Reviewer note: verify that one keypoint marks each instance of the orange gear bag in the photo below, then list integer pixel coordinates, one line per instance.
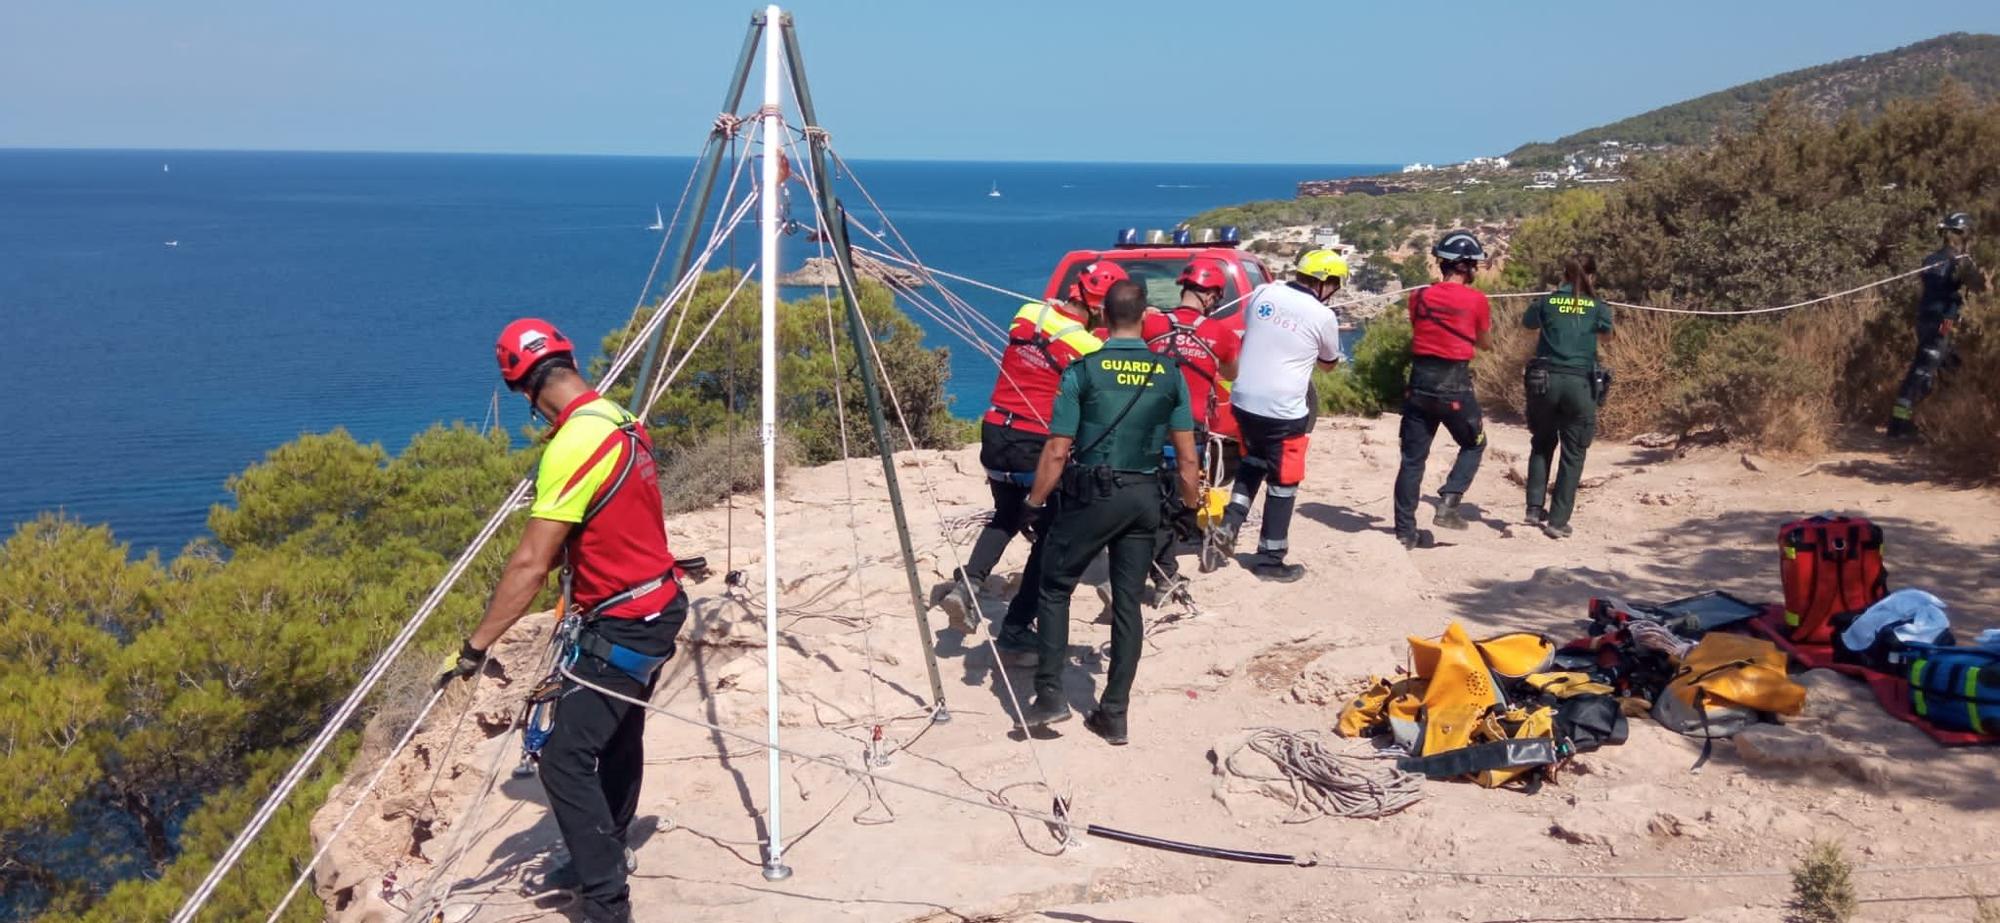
(1830, 567)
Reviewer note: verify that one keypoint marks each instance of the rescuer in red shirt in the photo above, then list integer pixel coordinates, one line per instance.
(1042, 341)
(1207, 352)
(1449, 322)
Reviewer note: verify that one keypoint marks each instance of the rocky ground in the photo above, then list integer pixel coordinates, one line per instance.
(1651, 526)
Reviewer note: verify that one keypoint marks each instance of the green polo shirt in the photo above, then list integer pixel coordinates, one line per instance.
(1096, 388)
(1569, 324)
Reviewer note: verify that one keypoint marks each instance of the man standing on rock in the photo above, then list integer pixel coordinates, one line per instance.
(597, 514)
(1937, 313)
(1288, 332)
(1449, 322)
(1113, 413)
(1043, 341)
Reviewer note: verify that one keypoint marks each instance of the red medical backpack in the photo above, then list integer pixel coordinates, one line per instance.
(1831, 567)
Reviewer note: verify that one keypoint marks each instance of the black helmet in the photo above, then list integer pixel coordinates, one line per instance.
(1956, 221)
(1457, 246)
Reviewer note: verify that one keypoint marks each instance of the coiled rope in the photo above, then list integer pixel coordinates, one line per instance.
(1325, 782)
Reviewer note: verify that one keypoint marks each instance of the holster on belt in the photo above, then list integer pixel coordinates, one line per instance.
(1083, 484)
(1535, 377)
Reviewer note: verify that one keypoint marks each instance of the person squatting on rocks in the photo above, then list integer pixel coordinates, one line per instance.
(1207, 353)
(1101, 466)
(1563, 388)
(596, 513)
(1289, 332)
(1449, 321)
(1937, 313)
(1043, 340)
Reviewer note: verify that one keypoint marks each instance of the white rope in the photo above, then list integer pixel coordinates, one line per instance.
(1403, 292)
(1325, 782)
(341, 715)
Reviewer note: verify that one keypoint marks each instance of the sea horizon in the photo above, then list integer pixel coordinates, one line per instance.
(202, 315)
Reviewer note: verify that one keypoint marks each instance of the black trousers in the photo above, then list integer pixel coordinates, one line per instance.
(595, 759)
(1933, 346)
(1423, 413)
(1125, 522)
(1565, 417)
(1165, 547)
(1003, 449)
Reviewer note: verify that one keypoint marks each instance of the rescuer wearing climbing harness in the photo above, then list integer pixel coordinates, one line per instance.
(1042, 341)
(1207, 354)
(1937, 314)
(597, 514)
(1562, 384)
(1288, 332)
(1449, 322)
(1113, 413)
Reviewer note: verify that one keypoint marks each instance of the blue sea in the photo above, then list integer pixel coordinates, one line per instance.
(175, 315)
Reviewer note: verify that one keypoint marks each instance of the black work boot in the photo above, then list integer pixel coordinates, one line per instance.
(564, 877)
(1421, 538)
(1106, 725)
(1448, 516)
(1536, 515)
(1020, 645)
(1276, 570)
(1556, 531)
(1048, 708)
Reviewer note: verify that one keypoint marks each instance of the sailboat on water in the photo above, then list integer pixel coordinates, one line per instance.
(996, 190)
(659, 223)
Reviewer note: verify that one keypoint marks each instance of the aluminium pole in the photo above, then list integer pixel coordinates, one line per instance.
(772, 143)
(833, 221)
(706, 170)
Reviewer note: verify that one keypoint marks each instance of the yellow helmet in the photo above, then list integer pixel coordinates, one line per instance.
(1322, 265)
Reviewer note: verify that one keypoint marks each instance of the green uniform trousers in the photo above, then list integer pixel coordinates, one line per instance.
(1566, 415)
(1127, 522)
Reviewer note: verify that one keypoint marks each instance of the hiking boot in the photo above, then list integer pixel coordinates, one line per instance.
(1106, 725)
(1020, 645)
(1556, 531)
(1536, 515)
(1171, 589)
(1276, 570)
(1048, 708)
(564, 877)
(1422, 538)
(1448, 516)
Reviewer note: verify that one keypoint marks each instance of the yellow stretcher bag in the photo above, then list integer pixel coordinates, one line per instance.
(1724, 683)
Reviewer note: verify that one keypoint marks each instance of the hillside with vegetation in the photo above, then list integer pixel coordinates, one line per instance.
(1864, 86)
(1791, 208)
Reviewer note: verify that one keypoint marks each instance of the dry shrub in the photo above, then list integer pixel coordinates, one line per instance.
(1496, 373)
(1640, 356)
(1823, 886)
(401, 694)
(716, 466)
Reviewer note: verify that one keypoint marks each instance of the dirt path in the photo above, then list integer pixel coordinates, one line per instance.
(1651, 527)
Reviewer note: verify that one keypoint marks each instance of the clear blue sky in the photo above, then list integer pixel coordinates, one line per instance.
(1169, 80)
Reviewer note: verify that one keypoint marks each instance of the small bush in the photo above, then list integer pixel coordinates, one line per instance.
(1823, 886)
(717, 466)
(1373, 382)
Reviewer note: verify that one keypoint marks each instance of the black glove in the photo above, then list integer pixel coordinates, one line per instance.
(1031, 521)
(1186, 525)
(462, 665)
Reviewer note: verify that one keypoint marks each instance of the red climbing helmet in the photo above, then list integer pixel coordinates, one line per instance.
(526, 342)
(1203, 272)
(1094, 281)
